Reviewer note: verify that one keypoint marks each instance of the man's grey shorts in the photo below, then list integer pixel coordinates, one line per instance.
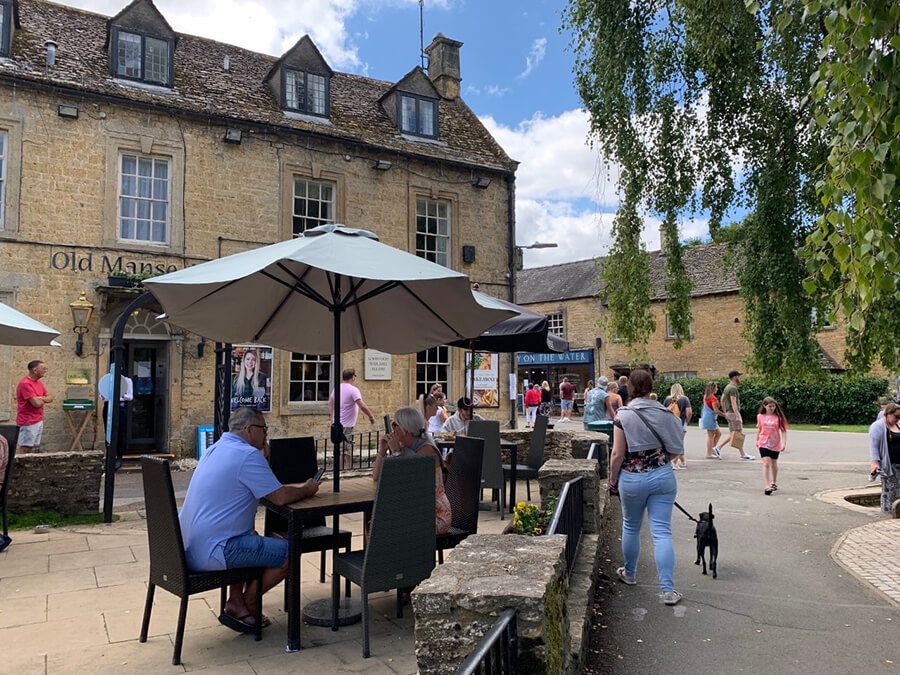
(734, 424)
(30, 436)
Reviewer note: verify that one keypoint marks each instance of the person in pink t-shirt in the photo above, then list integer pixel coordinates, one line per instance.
(771, 439)
(350, 405)
(31, 396)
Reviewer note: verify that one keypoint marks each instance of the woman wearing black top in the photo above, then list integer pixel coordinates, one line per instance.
(884, 451)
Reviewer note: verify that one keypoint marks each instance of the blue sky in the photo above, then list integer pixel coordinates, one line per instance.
(517, 77)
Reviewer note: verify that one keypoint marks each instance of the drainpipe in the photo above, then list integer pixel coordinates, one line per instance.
(511, 266)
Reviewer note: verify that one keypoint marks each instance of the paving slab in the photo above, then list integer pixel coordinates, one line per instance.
(122, 573)
(23, 611)
(154, 656)
(53, 636)
(107, 556)
(70, 544)
(44, 584)
(98, 600)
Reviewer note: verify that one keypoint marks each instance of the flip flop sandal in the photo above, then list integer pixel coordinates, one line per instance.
(237, 624)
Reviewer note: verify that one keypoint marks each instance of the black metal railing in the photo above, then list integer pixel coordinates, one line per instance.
(568, 518)
(358, 454)
(498, 651)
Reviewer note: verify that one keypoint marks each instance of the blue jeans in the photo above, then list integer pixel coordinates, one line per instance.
(653, 491)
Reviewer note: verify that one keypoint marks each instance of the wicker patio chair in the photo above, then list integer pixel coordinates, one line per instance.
(463, 489)
(293, 460)
(11, 433)
(492, 476)
(529, 471)
(168, 566)
(400, 550)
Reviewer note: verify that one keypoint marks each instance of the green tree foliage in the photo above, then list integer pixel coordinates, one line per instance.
(707, 104)
(855, 249)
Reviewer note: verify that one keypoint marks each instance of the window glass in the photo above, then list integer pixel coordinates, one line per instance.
(3, 38)
(156, 60)
(3, 145)
(670, 333)
(433, 367)
(293, 89)
(310, 378)
(408, 114)
(129, 55)
(433, 230)
(426, 118)
(313, 204)
(556, 324)
(144, 199)
(315, 94)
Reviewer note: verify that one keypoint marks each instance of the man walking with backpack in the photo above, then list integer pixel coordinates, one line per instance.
(731, 406)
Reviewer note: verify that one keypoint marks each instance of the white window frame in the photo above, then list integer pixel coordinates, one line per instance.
(432, 360)
(827, 323)
(671, 336)
(319, 220)
(168, 200)
(441, 230)
(316, 360)
(556, 324)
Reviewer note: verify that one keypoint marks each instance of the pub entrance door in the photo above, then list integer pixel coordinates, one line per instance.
(147, 365)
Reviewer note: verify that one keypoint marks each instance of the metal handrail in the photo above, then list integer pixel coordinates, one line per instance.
(498, 651)
(568, 518)
(365, 447)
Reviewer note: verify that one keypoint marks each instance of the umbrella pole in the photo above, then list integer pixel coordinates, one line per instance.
(337, 428)
(472, 374)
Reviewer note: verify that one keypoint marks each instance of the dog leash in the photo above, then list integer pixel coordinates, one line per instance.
(679, 507)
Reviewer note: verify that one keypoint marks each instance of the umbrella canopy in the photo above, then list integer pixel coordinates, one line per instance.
(332, 289)
(21, 330)
(524, 332)
(286, 295)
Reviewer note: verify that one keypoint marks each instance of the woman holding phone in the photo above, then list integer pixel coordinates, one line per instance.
(408, 437)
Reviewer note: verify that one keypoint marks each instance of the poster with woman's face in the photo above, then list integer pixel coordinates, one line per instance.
(487, 383)
(251, 377)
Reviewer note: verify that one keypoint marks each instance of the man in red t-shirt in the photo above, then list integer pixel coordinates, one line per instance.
(31, 395)
(567, 399)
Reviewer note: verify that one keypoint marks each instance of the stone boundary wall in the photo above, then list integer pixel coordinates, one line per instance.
(67, 482)
(562, 445)
(557, 472)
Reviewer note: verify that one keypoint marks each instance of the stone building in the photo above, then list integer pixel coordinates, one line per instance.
(569, 293)
(129, 148)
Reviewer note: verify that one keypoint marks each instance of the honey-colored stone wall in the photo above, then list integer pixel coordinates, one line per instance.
(60, 239)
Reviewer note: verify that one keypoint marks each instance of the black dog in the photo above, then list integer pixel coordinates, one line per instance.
(706, 536)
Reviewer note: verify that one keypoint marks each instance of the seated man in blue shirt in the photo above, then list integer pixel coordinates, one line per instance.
(219, 511)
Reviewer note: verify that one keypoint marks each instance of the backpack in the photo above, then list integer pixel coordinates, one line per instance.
(674, 409)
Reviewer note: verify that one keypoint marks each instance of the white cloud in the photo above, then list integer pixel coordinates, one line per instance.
(496, 90)
(535, 56)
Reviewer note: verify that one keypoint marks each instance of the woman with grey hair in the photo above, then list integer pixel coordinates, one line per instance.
(409, 438)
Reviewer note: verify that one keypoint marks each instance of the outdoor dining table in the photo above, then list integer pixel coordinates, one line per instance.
(445, 445)
(356, 495)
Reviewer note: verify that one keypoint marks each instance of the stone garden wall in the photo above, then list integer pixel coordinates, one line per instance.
(67, 482)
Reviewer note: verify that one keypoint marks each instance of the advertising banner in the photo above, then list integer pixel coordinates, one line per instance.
(251, 377)
(487, 380)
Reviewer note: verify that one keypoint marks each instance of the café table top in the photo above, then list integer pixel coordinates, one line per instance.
(353, 491)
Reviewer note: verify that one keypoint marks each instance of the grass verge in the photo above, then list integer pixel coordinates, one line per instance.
(27, 521)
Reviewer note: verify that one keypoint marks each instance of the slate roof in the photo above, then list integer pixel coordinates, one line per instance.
(203, 87)
(705, 265)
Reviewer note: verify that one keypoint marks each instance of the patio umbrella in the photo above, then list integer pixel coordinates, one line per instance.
(20, 330)
(526, 331)
(332, 289)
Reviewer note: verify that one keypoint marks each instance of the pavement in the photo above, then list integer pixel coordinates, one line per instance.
(71, 601)
(808, 583)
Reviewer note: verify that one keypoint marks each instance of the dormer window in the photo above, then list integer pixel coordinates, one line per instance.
(418, 115)
(141, 57)
(305, 92)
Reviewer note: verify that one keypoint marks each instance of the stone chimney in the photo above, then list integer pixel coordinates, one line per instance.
(443, 65)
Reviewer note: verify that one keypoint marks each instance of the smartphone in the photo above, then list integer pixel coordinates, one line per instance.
(387, 424)
(319, 474)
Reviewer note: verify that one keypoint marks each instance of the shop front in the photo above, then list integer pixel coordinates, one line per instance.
(576, 364)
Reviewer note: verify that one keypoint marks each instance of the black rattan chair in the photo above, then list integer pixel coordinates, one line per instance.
(11, 433)
(529, 471)
(492, 476)
(463, 489)
(168, 566)
(293, 460)
(401, 545)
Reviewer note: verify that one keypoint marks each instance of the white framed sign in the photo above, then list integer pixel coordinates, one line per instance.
(378, 365)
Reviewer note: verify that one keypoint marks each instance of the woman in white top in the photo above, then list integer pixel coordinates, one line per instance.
(437, 410)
